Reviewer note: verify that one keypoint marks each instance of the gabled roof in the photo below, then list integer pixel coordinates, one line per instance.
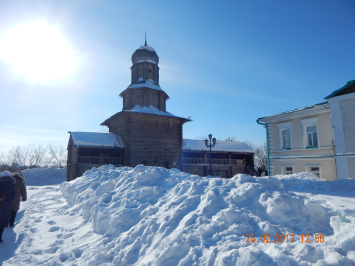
(230, 146)
(151, 110)
(348, 88)
(97, 139)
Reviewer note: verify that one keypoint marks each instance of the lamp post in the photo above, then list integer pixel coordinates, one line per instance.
(212, 142)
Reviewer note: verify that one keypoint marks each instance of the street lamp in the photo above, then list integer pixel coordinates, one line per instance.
(211, 144)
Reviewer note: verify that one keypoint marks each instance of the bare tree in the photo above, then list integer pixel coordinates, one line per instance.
(4, 161)
(18, 157)
(231, 139)
(58, 155)
(47, 160)
(260, 155)
(4, 158)
(36, 154)
(33, 156)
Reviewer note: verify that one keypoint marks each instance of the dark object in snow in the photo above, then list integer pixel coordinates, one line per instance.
(8, 189)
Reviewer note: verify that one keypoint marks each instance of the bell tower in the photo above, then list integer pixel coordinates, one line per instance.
(144, 89)
(151, 135)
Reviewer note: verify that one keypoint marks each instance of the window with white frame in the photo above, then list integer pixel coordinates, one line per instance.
(314, 169)
(312, 139)
(286, 139)
(310, 132)
(285, 135)
(287, 169)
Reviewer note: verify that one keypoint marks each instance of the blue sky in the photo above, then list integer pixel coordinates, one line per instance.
(224, 63)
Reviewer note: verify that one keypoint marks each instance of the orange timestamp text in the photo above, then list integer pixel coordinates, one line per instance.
(288, 238)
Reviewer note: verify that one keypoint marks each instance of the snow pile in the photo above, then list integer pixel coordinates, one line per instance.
(45, 176)
(308, 181)
(155, 216)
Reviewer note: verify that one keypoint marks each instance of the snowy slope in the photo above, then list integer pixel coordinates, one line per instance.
(155, 216)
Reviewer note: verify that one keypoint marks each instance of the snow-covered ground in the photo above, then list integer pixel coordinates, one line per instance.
(153, 216)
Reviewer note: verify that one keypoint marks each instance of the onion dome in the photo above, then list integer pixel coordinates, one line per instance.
(146, 53)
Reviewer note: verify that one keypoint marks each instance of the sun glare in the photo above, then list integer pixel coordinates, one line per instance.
(38, 52)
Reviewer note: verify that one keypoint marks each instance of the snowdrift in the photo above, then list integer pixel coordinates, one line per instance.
(45, 176)
(155, 216)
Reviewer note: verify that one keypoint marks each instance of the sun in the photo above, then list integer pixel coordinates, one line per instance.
(38, 52)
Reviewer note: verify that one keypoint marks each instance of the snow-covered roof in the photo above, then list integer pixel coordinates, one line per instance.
(314, 107)
(232, 146)
(146, 47)
(150, 110)
(145, 52)
(97, 139)
(145, 83)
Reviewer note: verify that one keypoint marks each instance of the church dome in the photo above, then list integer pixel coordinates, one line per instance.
(145, 52)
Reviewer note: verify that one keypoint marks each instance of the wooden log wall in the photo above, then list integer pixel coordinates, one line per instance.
(144, 97)
(152, 138)
(72, 160)
(144, 70)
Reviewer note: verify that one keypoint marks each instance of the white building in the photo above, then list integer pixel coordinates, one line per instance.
(319, 138)
(342, 111)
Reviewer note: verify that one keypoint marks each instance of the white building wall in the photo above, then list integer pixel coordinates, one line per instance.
(342, 167)
(326, 165)
(270, 141)
(299, 156)
(347, 108)
(351, 167)
(337, 122)
(324, 127)
(342, 109)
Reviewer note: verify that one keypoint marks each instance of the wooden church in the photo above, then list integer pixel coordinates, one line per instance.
(145, 133)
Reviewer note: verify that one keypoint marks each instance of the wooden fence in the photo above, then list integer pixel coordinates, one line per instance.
(214, 161)
(100, 160)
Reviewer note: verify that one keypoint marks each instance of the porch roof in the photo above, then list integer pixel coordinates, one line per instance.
(96, 139)
(228, 146)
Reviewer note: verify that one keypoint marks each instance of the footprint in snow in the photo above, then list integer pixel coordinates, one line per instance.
(37, 252)
(77, 252)
(68, 235)
(63, 257)
(54, 228)
(51, 222)
(51, 250)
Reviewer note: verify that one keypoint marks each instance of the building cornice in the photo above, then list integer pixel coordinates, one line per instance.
(302, 113)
